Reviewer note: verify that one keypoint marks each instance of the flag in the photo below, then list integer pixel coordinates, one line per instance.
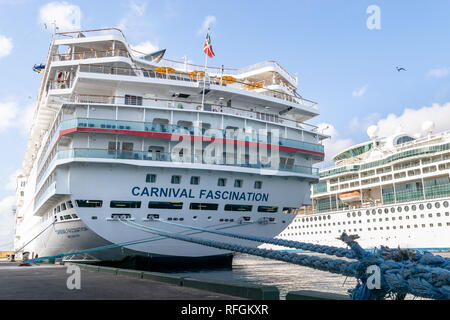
(207, 48)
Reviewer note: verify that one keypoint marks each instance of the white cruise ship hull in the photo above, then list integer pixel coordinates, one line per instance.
(403, 225)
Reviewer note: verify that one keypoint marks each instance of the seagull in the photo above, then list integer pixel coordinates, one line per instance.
(400, 69)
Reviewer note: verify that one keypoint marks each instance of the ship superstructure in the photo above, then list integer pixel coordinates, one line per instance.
(118, 136)
(390, 191)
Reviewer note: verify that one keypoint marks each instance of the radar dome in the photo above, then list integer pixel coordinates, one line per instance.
(372, 132)
(428, 127)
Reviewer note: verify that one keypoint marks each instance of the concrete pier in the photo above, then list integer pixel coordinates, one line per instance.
(49, 282)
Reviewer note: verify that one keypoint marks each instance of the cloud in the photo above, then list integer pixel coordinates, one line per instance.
(6, 46)
(8, 114)
(333, 145)
(209, 20)
(360, 92)
(410, 121)
(136, 9)
(66, 16)
(13, 116)
(6, 222)
(145, 47)
(357, 124)
(438, 73)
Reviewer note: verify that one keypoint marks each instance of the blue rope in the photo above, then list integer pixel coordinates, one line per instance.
(329, 250)
(428, 279)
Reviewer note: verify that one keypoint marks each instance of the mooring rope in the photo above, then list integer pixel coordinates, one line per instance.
(397, 278)
(329, 250)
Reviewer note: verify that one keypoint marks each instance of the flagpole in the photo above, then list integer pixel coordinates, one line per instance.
(204, 79)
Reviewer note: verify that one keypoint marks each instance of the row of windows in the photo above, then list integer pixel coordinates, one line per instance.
(415, 226)
(62, 207)
(422, 216)
(178, 206)
(421, 206)
(221, 182)
(399, 209)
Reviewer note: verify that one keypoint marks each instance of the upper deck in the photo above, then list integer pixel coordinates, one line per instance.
(396, 169)
(99, 66)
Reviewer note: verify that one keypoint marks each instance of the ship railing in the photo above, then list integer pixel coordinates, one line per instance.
(193, 106)
(45, 160)
(60, 84)
(177, 129)
(91, 54)
(199, 79)
(168, 157)
(399, 197)
(185, 65)
(264, 64)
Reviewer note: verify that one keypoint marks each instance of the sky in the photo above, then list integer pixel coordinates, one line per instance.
(344, 52)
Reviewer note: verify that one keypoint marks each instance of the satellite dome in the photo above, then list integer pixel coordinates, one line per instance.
(428, 127)
(372, 132)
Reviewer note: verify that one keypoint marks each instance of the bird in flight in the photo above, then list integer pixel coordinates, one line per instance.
(400, 69)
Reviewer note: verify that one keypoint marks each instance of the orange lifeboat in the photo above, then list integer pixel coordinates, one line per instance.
(164, 70)
(196, 74)
(228, 79)
(350, 196)
(253, 85)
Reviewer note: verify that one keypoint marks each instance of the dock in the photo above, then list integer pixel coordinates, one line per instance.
(49, 282)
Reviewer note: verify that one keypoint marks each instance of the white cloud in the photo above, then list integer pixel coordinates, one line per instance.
(438, 73)
(333, 145)
(13, 116)
(136, 9)
(209, 20)
(357, 124)
(145, 47)
(410, 121)
(66, 16)
(8, 114)
(6, 46)
(360, 91)
(6, 222)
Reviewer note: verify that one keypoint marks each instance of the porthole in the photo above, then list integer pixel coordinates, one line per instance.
(329, 217)
(348, 214)
(359, 213)
(392, 209)
(367, 212)
(373, 212)
(386, 210)
(406, 208)
(429, 206)
(380, 211)
(413, 207)
(421, 206)
(399, 209)
(354, 214)
(445, 204)
(437, 205)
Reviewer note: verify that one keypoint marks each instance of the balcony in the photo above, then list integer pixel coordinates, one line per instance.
(167, 157)
(198, 80)
(175, 129)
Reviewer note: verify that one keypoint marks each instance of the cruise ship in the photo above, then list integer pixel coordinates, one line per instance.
(390, 191)
(123, 135)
